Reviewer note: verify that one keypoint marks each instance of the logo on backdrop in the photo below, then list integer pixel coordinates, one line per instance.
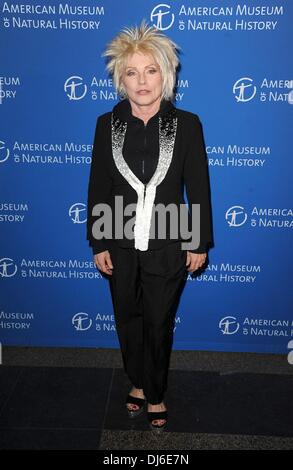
(13, 212)
(230, 273)
(236, 216)
(47, 153)
(16, 321)
(81, 321)
(240, 156)
(45, 16)
(254, 327)
(77, 213)
(161, 16)
(100, 88)
(217, 18)
(8, 87)
(74, 88)
(49, 268)
(4, 152)
(101, 322)
(267, 217)
(7, 267)
(245, 90)
(229, 325)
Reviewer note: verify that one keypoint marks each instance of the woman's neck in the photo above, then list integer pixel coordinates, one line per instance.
(145, 112)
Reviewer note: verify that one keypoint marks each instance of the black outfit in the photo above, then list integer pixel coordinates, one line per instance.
(141, 153)
(145, 286)
(147, 164)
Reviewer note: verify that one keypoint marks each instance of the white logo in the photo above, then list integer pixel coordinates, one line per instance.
(2, 146)
(157, 15)
(75, 213)
(74, 88)
(7, 267)
(290, 354)
(229, 325)
(245, 90)
(236, 212)
(81, 321)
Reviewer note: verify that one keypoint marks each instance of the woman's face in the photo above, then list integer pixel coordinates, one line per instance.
(142, 79)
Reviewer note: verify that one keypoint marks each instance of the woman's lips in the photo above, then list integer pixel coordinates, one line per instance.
(143, 92)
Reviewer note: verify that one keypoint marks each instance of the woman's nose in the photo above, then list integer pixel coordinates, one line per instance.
(141, 79)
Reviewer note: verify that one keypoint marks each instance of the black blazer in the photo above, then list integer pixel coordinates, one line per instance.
(127, 155)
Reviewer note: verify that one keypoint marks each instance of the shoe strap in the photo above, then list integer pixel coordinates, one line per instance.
(135, 400)
(157, 415)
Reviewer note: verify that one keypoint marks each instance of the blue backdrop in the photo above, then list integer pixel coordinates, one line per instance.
(236, 72)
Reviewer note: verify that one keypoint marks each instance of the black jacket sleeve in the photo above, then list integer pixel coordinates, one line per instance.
(197, 182)
(99, 188)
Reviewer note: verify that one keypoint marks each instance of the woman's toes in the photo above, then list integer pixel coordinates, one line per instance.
(158, 423)
(132, 407)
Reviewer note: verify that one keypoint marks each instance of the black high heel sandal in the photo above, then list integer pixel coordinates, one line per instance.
(140, 402)
(152, 416)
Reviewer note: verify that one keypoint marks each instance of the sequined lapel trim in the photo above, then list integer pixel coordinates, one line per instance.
(146, 193)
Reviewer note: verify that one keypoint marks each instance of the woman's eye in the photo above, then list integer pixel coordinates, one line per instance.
(131, 72)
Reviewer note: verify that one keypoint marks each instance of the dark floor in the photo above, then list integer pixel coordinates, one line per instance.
(63, 398)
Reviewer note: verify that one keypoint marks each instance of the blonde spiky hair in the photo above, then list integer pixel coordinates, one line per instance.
(147, 40)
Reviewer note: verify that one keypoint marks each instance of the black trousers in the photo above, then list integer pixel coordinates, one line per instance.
(145, 288)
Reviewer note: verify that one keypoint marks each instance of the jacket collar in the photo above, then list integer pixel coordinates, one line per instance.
(124, 112)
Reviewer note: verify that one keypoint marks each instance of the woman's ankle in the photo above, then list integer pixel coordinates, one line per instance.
(158, 405)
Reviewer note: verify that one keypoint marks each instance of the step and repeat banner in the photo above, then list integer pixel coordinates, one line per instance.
(236, 74)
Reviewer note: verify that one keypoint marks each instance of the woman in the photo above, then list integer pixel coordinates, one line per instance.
(144, 149)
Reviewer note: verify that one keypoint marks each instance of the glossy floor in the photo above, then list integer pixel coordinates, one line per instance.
(49, 407)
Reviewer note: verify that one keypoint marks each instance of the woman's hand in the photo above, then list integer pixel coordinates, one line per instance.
(103, 262)
(195, 260)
